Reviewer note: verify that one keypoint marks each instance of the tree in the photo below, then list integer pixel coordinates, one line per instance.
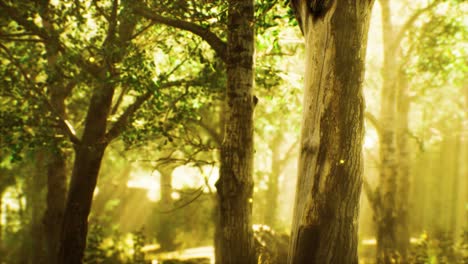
(103, 63)
(235, 184)
(402, 55)
(330, 163)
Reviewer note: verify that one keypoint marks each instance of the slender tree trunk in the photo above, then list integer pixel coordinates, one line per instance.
(404, 159)
(166, 234)
(330, 163)
(56, 158)
(273, 182)
(1, 222)
(391, 214)
(455, 154)
(235, 184)
(5, 180)
(216, 208)
(88, 157)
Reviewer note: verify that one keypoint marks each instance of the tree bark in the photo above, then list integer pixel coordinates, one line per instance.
(56, 158)
(235, 184)
(90, 149)
(324, 226)
(88, 156)
(166, 234)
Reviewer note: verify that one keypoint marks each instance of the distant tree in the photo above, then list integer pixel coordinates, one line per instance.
(403, 56)
(330, 160)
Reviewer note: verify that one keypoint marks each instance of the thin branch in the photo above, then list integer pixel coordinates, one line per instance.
(22, 40)
(195, 197)
(64, 124)
(212, 39)
(418, 140)
(121, 123)
(16, 63)
(27, 24)
(143, 30)
(372, 195)
(211, 131)
(112, 24)
(100, 11)
(287, 156)
(409, 23)
(119, 100)
(373, 120)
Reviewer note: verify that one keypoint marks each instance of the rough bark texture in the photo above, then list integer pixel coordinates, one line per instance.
(330, 164)
(235, 184)
(166, 234)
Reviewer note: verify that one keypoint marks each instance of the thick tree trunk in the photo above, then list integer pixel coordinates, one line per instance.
(330, 165)
(235, 184)
(88, 156)
(166, 234)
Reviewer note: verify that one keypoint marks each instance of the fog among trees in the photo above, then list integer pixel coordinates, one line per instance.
(233, 131)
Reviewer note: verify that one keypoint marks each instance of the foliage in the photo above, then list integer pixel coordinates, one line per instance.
(439, 248)
(113, 248)
(192, 216)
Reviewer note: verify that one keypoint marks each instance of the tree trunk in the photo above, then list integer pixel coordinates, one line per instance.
(235, 184)
(56, 196)
(166, 234)
(88, 156)
(1, 222)
(216, 208)
(273, 181)
(391, 246)
(90, 150)
(403, 178)
(330, 164)
(56, 163)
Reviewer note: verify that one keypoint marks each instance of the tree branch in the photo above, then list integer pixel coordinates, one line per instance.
(21, 20)
(64, 124)
(372, 195)
(211, 131)
(216, 43)
(409, 23)
(121, 123)
(110, 36)
(373, 120)
(287, 156)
